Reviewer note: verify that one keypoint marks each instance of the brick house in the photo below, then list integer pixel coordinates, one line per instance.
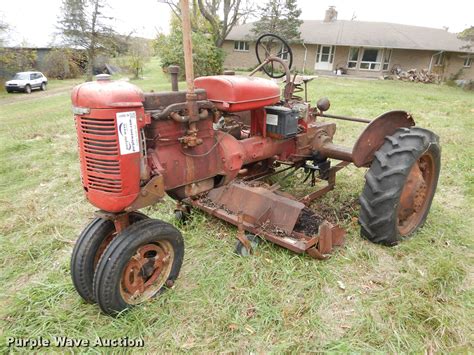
(367, 49)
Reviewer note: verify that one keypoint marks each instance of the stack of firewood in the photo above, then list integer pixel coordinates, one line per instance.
(422, 76)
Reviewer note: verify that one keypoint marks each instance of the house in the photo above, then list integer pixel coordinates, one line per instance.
(367, 49)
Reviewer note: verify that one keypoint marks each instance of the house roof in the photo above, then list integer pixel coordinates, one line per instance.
(369, 34)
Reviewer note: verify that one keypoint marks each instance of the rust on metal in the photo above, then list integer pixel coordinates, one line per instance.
(174, 71)
(151, 193)
(161, 100)
(416, 193)
(336, 151)
(146, 272)
(198, 187)
(241, 233)
(121, 222)
(374, 134)
(274, 217)
(103, 245)
(344, 118)
(259, 204)
(331, 183)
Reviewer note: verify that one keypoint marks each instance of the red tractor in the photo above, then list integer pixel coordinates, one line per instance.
(210, 148)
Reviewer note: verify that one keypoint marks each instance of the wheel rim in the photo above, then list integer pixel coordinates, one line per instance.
(103, 246)
(416, 194)
(146, 272)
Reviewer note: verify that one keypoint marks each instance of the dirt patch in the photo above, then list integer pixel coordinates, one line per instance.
(35, 95)
(308, 222)
(345, 211)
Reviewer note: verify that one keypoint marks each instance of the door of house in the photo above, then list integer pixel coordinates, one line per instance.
(324, 57)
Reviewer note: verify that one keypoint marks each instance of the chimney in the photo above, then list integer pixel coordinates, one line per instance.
(331, 14)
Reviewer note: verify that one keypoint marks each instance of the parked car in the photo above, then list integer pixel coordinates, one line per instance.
(27, 81)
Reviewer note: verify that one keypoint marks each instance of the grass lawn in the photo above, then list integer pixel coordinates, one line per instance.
(417, 296)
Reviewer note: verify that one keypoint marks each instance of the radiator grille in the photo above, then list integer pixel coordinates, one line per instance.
(100, 154)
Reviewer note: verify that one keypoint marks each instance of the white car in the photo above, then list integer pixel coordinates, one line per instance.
(27, 81)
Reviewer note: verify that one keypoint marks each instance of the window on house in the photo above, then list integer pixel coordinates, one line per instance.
(353, 58)
(325, 54)
(439, 59)
(387, 54)
(371, 59)
(283, 52)
(241, 46)
(467, 62)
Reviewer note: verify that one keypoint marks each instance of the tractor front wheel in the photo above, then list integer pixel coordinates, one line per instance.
(140, 263)
(88, 249)
(400, 186)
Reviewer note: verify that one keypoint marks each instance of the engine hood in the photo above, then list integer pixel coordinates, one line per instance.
(15, 82)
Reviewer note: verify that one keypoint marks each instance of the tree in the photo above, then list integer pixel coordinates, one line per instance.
(280, 17)
(207, 58)
(62, 63)
(3, 31)
(13, 60)
(139, 53)
(233, 12)
(83, 24)
(468, 36)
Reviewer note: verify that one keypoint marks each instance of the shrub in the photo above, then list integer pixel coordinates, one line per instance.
(137, 56)
(207, 58)
(61, 64)
(13, 60)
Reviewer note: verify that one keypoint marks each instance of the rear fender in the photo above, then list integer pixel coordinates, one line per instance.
(373, 136)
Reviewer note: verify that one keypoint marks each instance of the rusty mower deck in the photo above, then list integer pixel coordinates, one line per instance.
(273, 215)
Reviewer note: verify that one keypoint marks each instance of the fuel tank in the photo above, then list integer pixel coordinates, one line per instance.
(234, 93)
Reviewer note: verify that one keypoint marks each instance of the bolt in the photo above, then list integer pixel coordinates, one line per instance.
(169, 283)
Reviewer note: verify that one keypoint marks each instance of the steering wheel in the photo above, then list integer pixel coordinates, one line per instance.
(275, 49)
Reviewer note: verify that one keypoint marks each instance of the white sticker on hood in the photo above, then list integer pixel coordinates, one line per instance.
(128, 132)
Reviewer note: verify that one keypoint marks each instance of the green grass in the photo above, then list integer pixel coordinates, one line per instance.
(416, 297)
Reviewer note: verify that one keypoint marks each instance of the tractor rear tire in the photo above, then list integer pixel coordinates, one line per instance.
(139, 264)
(400, 186)
(88, 249)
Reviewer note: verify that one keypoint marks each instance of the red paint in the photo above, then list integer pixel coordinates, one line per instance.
(233, 93)
(111, 180)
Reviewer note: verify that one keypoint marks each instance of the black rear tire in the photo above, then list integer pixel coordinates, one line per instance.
(388, 177)
(88, 249)
(110, 278)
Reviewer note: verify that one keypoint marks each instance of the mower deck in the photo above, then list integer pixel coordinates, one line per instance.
(265, 212)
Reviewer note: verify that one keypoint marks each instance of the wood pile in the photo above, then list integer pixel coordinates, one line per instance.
(422, 76)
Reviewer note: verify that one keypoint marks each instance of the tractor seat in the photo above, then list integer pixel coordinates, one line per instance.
(303, 79)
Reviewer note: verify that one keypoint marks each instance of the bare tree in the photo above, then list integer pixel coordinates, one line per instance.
(83, 24)
(233, 12)
(3, 31)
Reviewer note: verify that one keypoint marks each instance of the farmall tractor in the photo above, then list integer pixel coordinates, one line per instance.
(211, 148)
